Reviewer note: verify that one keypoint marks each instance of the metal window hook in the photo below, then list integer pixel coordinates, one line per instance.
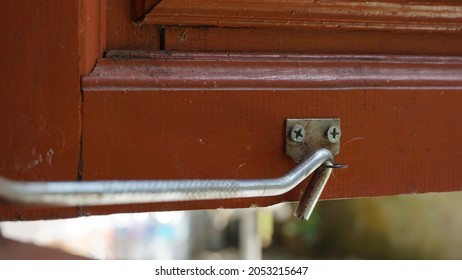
(303, 136)
(86, 193)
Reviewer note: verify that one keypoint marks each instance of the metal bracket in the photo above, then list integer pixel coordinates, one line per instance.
(304, 136)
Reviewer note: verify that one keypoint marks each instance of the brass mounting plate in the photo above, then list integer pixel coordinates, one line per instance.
(312, 136)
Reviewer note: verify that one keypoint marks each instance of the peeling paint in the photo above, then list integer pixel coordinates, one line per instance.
(49, 156)
(39, 158)
(33, 163)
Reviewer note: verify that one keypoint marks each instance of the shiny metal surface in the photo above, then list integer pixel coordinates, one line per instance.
(127, 192)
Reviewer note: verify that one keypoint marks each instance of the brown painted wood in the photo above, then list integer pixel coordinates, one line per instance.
(40, 96)
(141, 7)
(398, 133)
(442, 16)
(15, 250)
(123, 33)
(306, 41)
(205, 71)
(138, 8)
(46, 46)
(92, 40)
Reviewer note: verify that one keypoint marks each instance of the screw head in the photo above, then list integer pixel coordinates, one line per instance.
(297, 134)
(334, 133)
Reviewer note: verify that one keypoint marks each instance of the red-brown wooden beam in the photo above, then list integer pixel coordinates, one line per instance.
(46, 46)
(209, 39)
(161, 116)
(40, 95)
(391, 15)
(400, 134)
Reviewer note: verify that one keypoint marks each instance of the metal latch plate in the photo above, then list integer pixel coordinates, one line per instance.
(304, 136)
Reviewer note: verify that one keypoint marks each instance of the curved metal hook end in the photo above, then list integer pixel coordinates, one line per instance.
(312, 193)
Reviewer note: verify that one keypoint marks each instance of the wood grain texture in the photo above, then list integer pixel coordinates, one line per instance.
(92, 40)
(46, 46)
(308, 41)
(440, 16)
(141, 7)
(123, 33)
(40, 89)
(396, 139)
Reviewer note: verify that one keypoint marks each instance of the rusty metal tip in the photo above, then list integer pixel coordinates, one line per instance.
(299, 216)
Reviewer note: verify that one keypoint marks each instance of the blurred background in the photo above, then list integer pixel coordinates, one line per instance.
(425, 226)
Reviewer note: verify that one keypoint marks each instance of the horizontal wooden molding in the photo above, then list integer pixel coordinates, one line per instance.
(121, 70)
(436, 15)
(158, 115)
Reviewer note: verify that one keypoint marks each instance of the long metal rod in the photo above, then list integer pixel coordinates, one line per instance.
(127, 192)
